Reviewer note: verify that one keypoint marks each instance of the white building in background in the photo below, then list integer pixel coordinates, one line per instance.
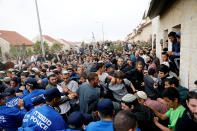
(177, 16)
(66, 44)
(12, 38)
(48, 39)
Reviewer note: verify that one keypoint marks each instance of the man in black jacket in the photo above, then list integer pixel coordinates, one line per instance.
(124, 67)
(188, 121)
(149, 81)
(143, 114)
(136, 76)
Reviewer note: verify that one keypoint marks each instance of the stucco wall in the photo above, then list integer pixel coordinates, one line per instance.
(5, 47)
(182, 12)
(144, 35)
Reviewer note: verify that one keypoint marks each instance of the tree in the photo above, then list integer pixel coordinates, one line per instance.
(29, 51)
(16, 51)
(37, 47)
(55, 48)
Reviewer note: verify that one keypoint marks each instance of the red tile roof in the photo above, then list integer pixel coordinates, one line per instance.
(67, 42)
(52, 39)
(15, 38)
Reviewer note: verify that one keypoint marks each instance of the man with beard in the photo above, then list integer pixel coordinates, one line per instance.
(124, 67)
(149, 62)
(136, 76)
(52, 80)
(188, 122)
(88, 94)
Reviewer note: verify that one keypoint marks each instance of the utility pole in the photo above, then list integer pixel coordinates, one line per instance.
(103, 33)
(40, 30)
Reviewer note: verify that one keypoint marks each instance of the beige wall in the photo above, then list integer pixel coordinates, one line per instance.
(5, 47)
(65, 46)
(144, 35)
(182, 12)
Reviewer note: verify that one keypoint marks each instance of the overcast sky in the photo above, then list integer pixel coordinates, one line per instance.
(73, 20)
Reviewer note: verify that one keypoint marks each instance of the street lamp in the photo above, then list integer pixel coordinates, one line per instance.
(40, 30)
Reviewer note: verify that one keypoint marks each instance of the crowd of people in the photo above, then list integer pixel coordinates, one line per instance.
(97, 89)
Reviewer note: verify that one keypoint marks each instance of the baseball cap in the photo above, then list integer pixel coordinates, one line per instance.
(178, 35)
(105, 106)
(31, 82)
(52, 93)
(9, 91)
(108, 64)
(129, 98)
(2, 95)
(76, 119)
(141, 95)
(38, 100)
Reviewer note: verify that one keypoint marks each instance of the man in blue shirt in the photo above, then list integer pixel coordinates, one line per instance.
(45, 117)
(10, 117)
(105, 112)
(31, 85)
(12, 100)
(75, 121)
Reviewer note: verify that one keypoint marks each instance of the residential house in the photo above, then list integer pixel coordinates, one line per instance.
(12, 38)
(48, 39)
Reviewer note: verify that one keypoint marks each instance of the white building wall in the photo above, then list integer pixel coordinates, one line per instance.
(5, 47)
(182, 12)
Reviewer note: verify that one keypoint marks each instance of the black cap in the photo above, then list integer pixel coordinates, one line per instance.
(9, 91)
(38, 100)
(31, 82)
(76, 119)
(52, 93)
(2, 95)
(105, 106)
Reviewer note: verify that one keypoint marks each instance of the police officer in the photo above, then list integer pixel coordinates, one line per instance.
(10, 117)
(12, 100)
(37, 102)
(46, 117)
(31, 85)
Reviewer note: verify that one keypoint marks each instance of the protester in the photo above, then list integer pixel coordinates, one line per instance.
(88, 94)
(143, 114)
(143, 99)
(171, 96)
(189, 119)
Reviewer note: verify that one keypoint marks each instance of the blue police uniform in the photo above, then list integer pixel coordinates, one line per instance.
(73, 130)
(44, 118)
(100, 126)
(10, 117)
(12, 102)
(28, 98)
